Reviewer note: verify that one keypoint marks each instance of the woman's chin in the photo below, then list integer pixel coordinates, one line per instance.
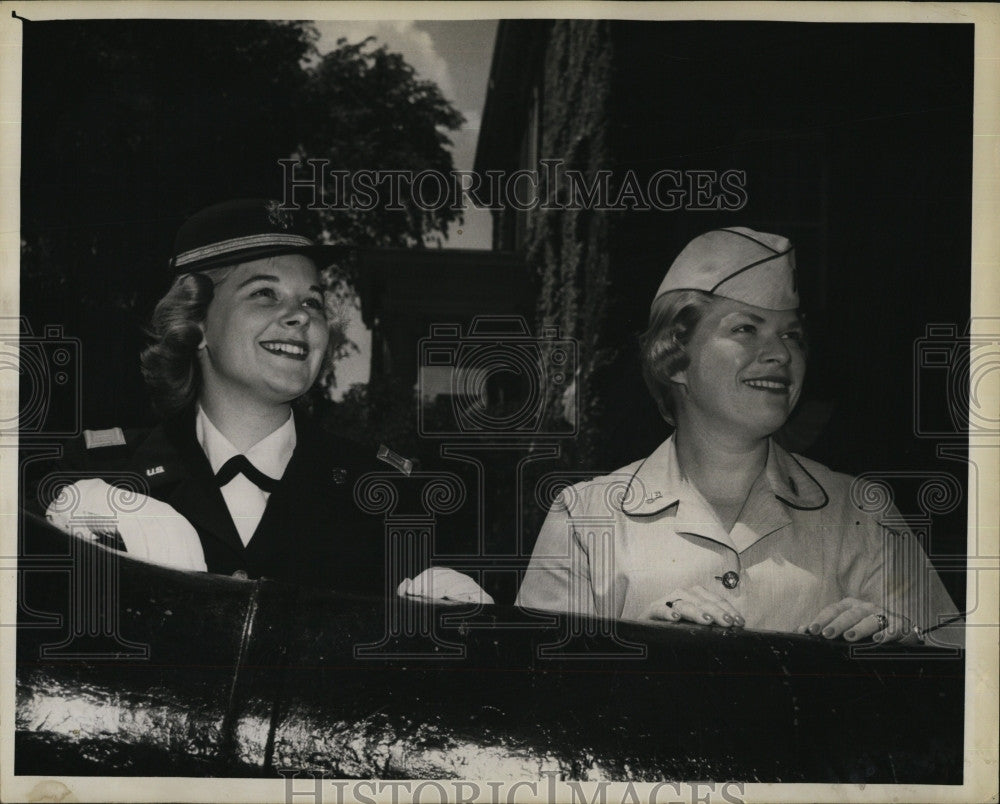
(289, 387)
(283, 393)
(764, 426)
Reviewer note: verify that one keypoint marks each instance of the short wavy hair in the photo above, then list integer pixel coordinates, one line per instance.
(169, 364)
(672, 321)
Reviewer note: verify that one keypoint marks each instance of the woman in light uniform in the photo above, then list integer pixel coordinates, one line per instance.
(720, 525)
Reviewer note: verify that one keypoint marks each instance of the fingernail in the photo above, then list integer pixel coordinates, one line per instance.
(828, 632)
(707, 617)
(813, 629)
(849, 635)
(674, 615)
(878, 637)
(740, 621)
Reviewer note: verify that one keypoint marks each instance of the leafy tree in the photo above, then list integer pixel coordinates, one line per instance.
(381, 411)
(367, 110)
(129, 126)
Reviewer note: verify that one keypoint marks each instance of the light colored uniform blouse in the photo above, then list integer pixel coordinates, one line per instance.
(613, 545)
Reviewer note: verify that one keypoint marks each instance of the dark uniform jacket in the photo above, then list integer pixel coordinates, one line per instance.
(311, 532)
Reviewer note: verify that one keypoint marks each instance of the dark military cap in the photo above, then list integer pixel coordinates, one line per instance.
(240, 231)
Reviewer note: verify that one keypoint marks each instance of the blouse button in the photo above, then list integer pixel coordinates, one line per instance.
(730, 580)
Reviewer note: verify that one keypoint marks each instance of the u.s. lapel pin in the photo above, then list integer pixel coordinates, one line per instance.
(654, 497)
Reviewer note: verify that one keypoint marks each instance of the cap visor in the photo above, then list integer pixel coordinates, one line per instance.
(319, 254)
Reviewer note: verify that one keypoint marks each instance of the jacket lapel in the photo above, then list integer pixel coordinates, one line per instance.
(293, 491)
(783, 484)
(307, 489)
(658, 484)
(281, 505)
(186, 482)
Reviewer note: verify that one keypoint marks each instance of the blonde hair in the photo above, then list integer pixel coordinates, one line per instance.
(672, 321)
(169, 364)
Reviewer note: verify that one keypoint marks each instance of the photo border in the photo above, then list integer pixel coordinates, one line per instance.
(982, 657)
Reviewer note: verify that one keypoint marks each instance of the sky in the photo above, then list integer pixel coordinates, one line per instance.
(456, 55)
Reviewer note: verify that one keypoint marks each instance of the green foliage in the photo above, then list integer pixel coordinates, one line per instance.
(366, 110)
(129, 126)
(382, 411)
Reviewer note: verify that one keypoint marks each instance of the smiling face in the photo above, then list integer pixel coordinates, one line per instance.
(265, 333)
(746, 369)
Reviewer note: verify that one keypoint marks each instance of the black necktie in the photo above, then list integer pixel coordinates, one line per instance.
(239, 463)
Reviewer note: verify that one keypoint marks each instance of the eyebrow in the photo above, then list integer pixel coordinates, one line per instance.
(273, 278)
(795, 322)
(752, 316)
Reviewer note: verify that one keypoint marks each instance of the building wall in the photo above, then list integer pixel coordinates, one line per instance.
(568, 249)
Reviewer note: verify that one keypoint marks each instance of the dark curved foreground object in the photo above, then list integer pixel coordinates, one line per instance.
(173, 673)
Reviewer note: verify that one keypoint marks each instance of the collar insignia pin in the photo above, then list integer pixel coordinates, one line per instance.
(154, 470)
(654, 497)
(112, 437)
(339, 476)
(394, 459)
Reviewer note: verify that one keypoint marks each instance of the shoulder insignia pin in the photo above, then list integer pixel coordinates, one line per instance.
(112, 437)
(397, 461)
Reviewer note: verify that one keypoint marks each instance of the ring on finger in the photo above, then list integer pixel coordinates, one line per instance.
(883, 621)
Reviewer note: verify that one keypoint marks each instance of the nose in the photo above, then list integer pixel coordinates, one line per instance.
(775, 350)
(297, 316)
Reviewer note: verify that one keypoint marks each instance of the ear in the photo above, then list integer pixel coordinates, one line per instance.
(680, 376)
(203, 342)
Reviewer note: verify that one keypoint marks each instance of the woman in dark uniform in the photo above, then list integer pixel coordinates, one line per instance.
(233, 481)
(720, 525)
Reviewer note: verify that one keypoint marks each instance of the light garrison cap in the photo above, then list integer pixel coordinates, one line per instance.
(755, 268)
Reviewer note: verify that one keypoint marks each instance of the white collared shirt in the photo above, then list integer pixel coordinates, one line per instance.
(618, 544)
(244, 499)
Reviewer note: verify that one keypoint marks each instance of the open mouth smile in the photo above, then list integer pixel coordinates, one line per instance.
(295, 350)
(773, 385)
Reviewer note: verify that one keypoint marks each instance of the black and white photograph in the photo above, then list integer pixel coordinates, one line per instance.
(499, 402)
